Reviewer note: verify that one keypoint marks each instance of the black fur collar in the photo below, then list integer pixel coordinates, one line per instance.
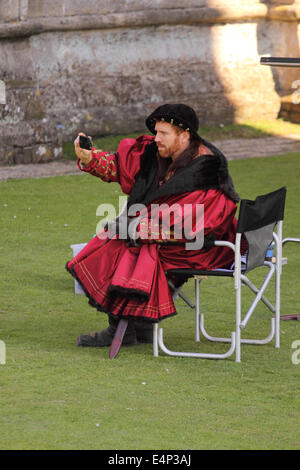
(205, 172)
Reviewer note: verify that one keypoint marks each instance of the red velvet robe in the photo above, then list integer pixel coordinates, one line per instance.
(130, 281)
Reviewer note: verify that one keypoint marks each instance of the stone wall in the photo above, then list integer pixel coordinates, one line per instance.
(102, 65)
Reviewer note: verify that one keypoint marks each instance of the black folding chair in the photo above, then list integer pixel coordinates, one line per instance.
(260, 221)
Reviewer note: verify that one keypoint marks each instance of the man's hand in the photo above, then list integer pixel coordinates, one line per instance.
(85, 156)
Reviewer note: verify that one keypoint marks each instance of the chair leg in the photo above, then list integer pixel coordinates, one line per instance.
(279, 243)
(197, 309)
(238, 294)
(277, 309)
(176, 292)
(194, 354)
(243, 340)
(155, 339)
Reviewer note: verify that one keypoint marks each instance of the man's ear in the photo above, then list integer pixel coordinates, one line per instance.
(185, 137)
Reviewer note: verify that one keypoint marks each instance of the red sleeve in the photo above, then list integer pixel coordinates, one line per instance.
(103, 165)
(121, 167)
(129, 155)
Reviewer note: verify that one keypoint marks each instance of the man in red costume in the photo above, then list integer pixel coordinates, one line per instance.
(128, 278)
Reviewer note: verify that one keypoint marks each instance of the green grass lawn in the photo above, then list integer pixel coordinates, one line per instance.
(54, 395)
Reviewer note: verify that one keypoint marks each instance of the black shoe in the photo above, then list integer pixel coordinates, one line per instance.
(105, 337)
(144, 331)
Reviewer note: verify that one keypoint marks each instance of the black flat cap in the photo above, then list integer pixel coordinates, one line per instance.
(179, 115)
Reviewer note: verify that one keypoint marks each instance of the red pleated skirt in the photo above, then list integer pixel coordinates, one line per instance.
(123, 281)
(130, 282)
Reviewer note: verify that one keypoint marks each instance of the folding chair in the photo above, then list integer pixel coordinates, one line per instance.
(286, 240)
(257, 221)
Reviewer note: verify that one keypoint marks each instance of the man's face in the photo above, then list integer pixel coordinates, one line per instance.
(169, 143)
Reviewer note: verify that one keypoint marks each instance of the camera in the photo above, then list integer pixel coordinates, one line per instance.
(85, 142)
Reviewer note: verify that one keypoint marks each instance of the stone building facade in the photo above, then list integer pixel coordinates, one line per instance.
(101, 66)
